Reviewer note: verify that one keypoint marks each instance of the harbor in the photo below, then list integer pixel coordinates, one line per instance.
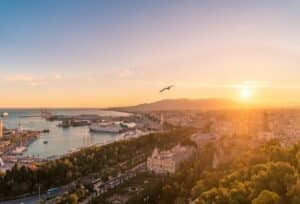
(44, 136)
(51, 139)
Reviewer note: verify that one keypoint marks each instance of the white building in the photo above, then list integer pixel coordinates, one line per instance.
(1, 163)
(168, 161)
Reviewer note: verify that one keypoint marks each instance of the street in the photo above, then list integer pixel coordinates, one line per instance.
(35, 199)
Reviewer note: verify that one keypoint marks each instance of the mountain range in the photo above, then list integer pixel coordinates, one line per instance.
(180, 104)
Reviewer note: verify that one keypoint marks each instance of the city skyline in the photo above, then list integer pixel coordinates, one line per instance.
(103, 53)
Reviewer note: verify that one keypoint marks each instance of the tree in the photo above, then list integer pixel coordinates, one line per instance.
(179, 200)
(294, 193)
(72, 199)
(102, 160)
(169, 193)
(266, 197)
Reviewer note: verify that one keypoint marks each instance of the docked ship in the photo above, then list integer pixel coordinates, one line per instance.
(4, 114)
(106, 127)
(46, 114)
(65, 124)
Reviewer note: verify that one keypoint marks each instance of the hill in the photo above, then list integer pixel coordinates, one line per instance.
(180, 104)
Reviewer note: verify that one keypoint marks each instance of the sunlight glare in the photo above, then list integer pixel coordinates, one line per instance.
(246, 92)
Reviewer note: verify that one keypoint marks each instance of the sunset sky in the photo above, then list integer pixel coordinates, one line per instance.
(88, 53)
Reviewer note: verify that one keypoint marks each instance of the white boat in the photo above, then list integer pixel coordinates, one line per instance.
(106, 127)
(1, 162)
(4, 114)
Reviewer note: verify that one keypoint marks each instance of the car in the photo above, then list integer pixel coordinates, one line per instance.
(52, 190)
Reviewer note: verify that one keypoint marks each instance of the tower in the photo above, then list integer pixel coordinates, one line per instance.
(1, 128)
(161, 119)
(20, 128)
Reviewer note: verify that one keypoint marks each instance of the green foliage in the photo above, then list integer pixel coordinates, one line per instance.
(274, 178)
(72, 199)
(266, 197)
(105, 161)
(267, 174)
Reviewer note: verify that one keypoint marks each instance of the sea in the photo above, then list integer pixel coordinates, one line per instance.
(60, 140)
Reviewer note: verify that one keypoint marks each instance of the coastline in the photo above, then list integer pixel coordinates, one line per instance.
(118, 138)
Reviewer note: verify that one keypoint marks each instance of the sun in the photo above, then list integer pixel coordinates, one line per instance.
(246, 92)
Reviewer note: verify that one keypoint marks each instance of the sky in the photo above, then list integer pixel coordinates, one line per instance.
(93, 53)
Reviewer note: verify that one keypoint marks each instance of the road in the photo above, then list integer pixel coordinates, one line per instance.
(35, 199)
(61, 190)
(117, 181)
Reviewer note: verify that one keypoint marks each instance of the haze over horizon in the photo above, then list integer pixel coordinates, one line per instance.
(104, 54)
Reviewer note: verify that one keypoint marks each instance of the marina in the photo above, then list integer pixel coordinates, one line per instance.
(53, 140)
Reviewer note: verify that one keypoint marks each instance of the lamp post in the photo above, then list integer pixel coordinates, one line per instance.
(38, 180)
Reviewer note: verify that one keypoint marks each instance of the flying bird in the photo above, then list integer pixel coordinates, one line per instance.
(166, 88)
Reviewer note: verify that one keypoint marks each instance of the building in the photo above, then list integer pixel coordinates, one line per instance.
(162, 162)
(202, 139)
(1, 129)
(265, 136)
(224, 128)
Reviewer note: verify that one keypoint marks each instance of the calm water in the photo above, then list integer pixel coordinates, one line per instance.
(60, 140)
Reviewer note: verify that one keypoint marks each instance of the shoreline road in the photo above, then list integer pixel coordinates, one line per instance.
(35, 199)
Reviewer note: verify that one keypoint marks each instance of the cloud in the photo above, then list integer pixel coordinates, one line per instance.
(126, 73)
(250, 84)
(24, 79)
(21, 78)
(57, 76)
(32, 80)
(253, 84)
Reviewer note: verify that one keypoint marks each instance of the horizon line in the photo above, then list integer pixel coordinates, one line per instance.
(238, 102)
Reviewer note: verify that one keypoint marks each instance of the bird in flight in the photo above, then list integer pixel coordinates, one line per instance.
(166, 88)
